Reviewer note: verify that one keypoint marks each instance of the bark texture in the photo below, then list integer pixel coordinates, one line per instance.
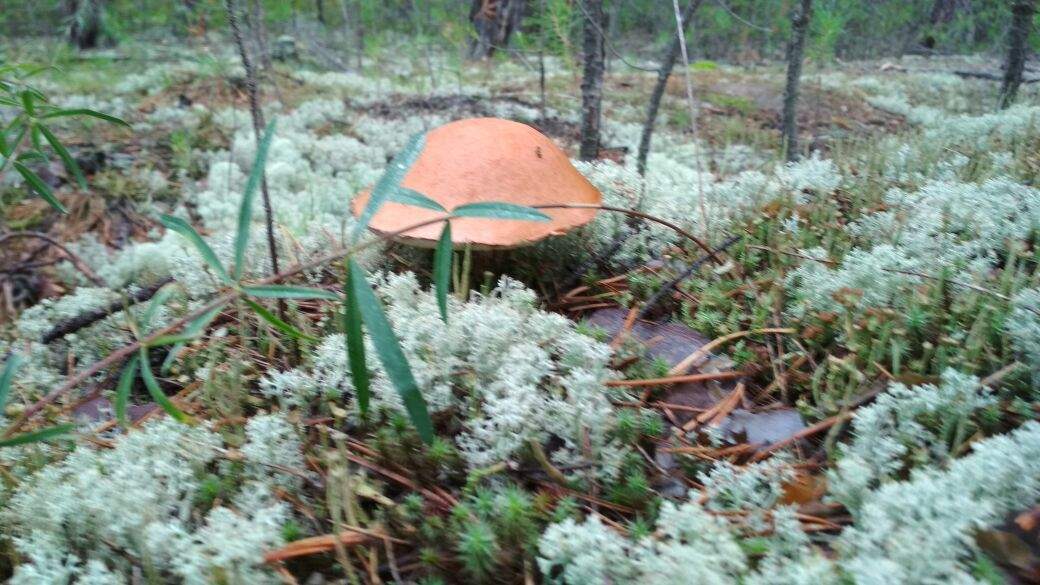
(667, 64)
(593, 50)
(1022, 12)
(85, 28)
(494, 22)
(800, 18)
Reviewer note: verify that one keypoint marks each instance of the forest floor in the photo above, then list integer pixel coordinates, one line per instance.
(845, 393)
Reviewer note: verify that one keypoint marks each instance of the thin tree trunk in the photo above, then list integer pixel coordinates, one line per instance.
(85, 27)
(258, 128)
(800, 19)
(319, 6)
(494, 22)
(1018, 40)
(592, 78)
(670, 57)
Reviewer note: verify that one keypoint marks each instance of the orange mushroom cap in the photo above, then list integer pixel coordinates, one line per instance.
(488, 159)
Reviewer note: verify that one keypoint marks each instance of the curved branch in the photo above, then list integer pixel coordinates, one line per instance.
(76, 261)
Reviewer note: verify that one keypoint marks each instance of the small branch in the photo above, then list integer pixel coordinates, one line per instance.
(86, 319)
(76, 261)
(671, 284)
(547, 466)
(705, 349)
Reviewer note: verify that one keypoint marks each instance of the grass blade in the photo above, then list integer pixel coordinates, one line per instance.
(46, 434)
(156, 392)
(184, 228)
(389, 350)
(39, 186)
(356, 346)
(86, 112)
(390, 181)
(245, 210)
(499, 210)
(442, 270)
(7, 377)
(126, 382)
(276, 322)
(284, 291)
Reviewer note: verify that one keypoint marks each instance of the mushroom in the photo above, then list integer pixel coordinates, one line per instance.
(488, 159)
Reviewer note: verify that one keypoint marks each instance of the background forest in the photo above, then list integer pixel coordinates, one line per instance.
(519, 291)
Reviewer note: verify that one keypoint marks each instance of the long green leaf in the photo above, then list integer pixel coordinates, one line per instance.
(184, 228)
(414, 198)
(175, 339)
(156, 392)
(245, 211)
(70, 163)
(126, 383)
(499, 210)
(442, 270)
(158, 301)
(194, 329)
(7, 377)
(389, 349)
(276, 322)
(85, 112)
(46, 434)
(284, 291)
(356, 346)
(390, 181)
(39, 186)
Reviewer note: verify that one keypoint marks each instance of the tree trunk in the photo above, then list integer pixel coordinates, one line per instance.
(1018, 41)
(319, 6)
(800, 19)
(663, 74)
(593, 50)
(85, 28)
(494, 21)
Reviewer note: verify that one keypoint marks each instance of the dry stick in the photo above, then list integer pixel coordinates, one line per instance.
(727, 375)
(705, 349)
(258, 128)
(128, 350)
(663, 73)
(76, 261)
(691, 104)
(671, 284)
(86, 319)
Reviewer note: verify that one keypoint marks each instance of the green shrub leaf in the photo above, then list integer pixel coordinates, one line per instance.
(245, 211)
(156, 392)
(442, 270)
(66, 158)
(184, 228)
(46, 434)
(356, 346)
(39, 186)
(194, 329)
(499, 210)
(7, 377)
(126, 382)
(390, 181)
(389, 350)
(412, 197)
(85, 112)
(284, 291)
(276, 322)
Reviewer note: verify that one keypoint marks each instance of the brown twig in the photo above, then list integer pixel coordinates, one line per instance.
(86, 319)
(76, 261)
